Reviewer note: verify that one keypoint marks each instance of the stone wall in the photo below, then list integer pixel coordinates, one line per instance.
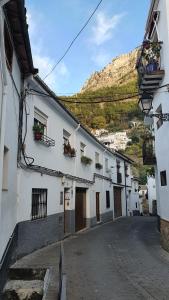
(164, 229)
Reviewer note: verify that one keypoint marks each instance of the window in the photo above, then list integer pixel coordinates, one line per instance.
(107, 199)
(106, 164)
(163, 178)
(66, 136)
(61, 198)
(39, 203)
(8, 48)
(118, 165)
(136, 204)
(41, 120)
(160, 121)
(126, 171)
(82, 149)
(5, 169)
(96, 157)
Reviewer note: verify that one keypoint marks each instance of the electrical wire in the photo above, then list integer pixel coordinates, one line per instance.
(102, 99)
(71, 44)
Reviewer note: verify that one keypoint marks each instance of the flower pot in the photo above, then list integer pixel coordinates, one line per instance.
(152, 67)
(37, 136)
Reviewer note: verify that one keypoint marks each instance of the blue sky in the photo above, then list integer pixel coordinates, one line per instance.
(116, 28)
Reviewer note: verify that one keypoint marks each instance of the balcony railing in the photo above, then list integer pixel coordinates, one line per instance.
(150, 72)
(119, 177)
(149, 157)
(44, 139)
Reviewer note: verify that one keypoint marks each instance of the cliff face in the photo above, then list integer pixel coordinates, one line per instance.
(121, 70)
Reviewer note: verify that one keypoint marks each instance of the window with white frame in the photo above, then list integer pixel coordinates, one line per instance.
(82, 149)
(66, 137)
(5, 169)
(97, 157)
(40, 119)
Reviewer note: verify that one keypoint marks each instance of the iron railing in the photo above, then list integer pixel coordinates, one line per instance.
(44, 139)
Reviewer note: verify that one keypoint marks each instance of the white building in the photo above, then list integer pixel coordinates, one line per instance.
(56, 177)
(154, 81)
(134, 206)
(151, 195)
(15, 65)
(115, 141)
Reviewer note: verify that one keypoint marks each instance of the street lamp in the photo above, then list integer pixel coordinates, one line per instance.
(145, 104)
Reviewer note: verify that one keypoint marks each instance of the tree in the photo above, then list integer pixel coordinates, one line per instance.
(99, 122)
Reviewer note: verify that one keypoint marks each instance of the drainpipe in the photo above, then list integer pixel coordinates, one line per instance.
(125, 188)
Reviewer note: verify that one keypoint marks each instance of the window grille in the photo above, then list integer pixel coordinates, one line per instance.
(39, 203)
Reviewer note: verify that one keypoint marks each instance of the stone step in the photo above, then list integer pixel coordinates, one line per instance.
(23, 289)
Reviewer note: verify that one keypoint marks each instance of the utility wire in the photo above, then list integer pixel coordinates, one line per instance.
(102, 99)
(71, 44)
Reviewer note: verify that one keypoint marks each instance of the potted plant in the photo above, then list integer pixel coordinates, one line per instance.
(73, 152)
(151, 53)
(86, 160)
(38, 131)
(67, 148)
(98, 166)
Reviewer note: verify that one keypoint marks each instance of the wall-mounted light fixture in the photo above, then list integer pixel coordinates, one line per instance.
(145, 104)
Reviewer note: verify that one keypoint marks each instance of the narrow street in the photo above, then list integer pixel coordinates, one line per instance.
(116, 261)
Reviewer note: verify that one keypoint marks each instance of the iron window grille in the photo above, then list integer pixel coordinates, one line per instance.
(39, 203)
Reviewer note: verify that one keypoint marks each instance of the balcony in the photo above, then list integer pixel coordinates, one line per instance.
(149, 157)
(119, 177)
(150, 73)
(44, 139)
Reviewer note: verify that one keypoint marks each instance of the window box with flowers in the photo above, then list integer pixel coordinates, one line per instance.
(98, 166)
(86, 160)
(68, 150)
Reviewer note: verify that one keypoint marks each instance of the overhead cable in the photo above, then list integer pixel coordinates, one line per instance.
(72, 42)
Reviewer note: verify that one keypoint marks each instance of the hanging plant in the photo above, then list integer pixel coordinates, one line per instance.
(86, 160)
(98, 166)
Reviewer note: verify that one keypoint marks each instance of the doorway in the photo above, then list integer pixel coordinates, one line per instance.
(117, 202)
(80, 209)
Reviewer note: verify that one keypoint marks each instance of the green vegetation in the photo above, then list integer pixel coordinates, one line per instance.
(115, 116)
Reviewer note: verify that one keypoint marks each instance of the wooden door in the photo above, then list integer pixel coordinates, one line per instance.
(80, 209)
(97, 207)
(117, 202)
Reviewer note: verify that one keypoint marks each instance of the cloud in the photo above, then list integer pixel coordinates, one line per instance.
(101, 59)
(41, 61)
(103, 30)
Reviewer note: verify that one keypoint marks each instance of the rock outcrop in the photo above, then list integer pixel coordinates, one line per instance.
(121, 70)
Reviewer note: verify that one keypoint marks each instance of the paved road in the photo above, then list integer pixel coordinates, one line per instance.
(116, 261)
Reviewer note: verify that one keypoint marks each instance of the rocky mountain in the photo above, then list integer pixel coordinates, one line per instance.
(119, 72)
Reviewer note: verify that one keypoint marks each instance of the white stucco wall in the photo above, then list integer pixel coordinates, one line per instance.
(9, 139)
(151, 188)
(162, 97)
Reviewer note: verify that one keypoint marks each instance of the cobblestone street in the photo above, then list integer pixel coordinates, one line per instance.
(116, 261)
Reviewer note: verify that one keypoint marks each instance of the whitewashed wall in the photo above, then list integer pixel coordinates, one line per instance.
(162, 97)
(9, 135)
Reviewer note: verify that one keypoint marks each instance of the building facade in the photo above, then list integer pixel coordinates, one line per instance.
(151, 195)
(153, 70)
(56, 178)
